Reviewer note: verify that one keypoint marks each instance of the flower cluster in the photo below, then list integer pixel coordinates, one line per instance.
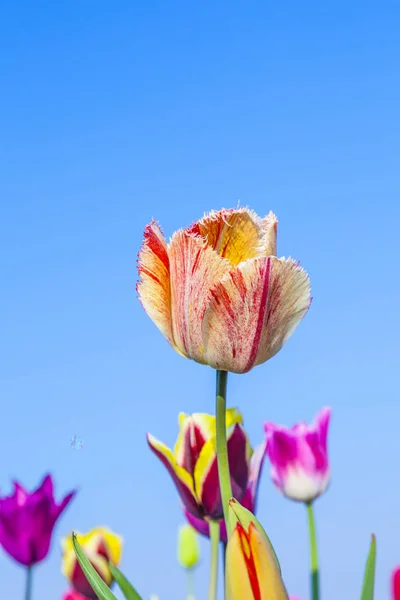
(221, 296)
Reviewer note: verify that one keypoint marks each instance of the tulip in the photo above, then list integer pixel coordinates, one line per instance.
(101, 546)
(217, 291)
(396, 584)
(188, 547)
(193, 467)
(27, 521)
(252, 570)
(299, 457)
(73, 595)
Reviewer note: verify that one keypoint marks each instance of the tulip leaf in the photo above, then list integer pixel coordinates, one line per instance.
(369, 574)
(94, 579)
(126, 588)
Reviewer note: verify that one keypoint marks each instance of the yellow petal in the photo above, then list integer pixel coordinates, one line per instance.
(251, 569)
(195, 269)
(236, 235)
(114, 544)
(253, 311)
(154, 286)
(90, 542)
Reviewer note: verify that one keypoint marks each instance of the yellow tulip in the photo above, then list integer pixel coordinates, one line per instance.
(101, 546)
(252, 571)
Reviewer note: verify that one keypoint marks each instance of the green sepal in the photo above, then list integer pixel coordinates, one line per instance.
(369, 573)
(245, 517)
(126, 587)
(94, 579)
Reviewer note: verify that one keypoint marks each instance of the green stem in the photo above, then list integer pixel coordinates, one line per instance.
(28, 588)
(214, 537)
(222, 448)
(314, 553)
(190, 584)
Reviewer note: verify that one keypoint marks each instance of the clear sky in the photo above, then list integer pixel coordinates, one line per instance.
(114, 113)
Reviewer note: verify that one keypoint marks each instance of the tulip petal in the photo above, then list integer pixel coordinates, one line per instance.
(269, 228)
(206, 481)
(114, 544)
(203, 527)
(195, 430)
(195, 269)
(251, 569)
(256, 464)
(154, 286)
(234, 234)
(181, 478)
(253, 311)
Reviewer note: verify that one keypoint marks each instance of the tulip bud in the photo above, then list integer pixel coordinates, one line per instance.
(188, 547)
(102, 547)
(252, 569)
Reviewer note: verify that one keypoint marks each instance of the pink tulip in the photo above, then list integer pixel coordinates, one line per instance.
(27, 521)
(396, 584)
(73, 595)
(299, 457)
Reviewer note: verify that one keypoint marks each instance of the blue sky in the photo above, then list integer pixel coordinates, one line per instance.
(114, 113)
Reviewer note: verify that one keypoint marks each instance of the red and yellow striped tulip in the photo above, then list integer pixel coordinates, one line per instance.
(217, 291)
(252, 570)
(101, 546)
(192, 465)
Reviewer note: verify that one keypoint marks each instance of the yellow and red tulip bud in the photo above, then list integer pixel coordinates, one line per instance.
(101, 546)
(188, 547)
(252, 570)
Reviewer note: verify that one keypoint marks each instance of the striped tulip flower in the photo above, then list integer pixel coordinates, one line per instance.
(252, 571)
(101, 546)
(217, 291)
(192, 465)
(299, 457)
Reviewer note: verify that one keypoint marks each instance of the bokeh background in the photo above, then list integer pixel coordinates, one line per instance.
(114, 113)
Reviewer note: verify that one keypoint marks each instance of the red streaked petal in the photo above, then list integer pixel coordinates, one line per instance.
(154, 285)
(194, 269)
(253, 311)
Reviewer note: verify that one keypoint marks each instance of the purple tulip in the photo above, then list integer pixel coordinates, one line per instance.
(27, 521)
(299, 457)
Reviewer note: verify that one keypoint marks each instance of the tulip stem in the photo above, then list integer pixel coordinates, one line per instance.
(222, 448)
(314, 553)
(214, 537)
(28, 588)
(190, 584)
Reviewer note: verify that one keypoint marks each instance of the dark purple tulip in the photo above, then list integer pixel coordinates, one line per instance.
(27, 521)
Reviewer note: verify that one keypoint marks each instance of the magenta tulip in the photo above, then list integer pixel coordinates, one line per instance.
(299, 457)
(27, 521)
(73, 595)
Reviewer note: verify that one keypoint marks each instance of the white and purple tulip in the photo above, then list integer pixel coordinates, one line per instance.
(299, 457)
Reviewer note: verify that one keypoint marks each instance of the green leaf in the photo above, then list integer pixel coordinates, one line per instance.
(369, 574)
(126, 588)
(96, 582)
